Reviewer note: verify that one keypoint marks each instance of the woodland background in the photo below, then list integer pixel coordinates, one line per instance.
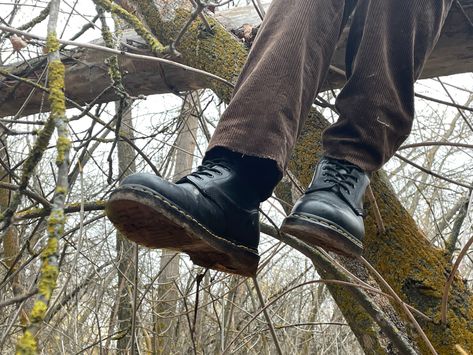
(70, 284)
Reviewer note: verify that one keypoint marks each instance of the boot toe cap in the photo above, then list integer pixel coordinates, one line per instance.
(331, 208)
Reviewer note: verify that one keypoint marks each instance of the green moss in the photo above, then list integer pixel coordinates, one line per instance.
(56, 88)
(26, 345)
(49, 270)
(56, 222)
(61, 190)
(30, 212)
(63, 146)
(154, 44)
(52, 43)
(40, 18)
(38, 311)
(218, 53)
(114, 71)
(47, 281)
(50, 249)
(37, 152)
(363, 326)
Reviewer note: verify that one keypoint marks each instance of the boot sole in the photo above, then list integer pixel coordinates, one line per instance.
(319, 232)
(148, 218)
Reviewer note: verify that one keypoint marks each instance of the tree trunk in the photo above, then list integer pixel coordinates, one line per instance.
(363, 315)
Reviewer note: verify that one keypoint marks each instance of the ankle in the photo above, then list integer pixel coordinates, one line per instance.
(259, 175)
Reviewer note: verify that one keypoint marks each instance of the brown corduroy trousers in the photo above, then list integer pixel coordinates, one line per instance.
(388, 44)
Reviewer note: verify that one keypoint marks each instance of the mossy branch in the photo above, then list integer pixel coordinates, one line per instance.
(156, 47)
(34, 157)
(112, 61)
(38, 19)
(219, 52)
(98, 205)
(49, 271)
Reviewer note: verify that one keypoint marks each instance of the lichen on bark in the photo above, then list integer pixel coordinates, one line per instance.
(49, 270)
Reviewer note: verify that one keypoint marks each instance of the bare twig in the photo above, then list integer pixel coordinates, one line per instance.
(427, 144)
(433, 99)
(451, 277)
(19, 298)
(268, 318)
(427, 171)
(377, 213)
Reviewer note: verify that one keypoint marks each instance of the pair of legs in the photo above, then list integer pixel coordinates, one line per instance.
(212, 214)
(388, 44)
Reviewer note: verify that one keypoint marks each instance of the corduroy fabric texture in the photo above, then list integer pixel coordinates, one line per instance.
(388, 44)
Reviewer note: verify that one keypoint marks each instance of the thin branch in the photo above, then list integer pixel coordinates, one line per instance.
(18, 299)
(444, 305)
(377, 214)
(69, 208)
(427, 171)
(461, 107)
(428, 144)
(268, 318)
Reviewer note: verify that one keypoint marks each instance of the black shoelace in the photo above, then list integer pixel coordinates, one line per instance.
(208, 168)
(340, 174)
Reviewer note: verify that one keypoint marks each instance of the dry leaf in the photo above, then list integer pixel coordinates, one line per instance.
(18, 43)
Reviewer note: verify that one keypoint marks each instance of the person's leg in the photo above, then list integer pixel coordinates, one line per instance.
(212, 214)
(387, 47)
(277, 86)
(388, 44)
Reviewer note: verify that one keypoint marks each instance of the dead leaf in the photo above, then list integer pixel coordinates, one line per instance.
(18, 43)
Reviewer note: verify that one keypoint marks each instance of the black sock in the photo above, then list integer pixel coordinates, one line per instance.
(261, 173)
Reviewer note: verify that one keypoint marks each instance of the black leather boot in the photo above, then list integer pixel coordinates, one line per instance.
(330, 214)
(211, 214)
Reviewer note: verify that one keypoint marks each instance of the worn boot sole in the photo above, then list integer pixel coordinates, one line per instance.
(149, 219)
(317, 231)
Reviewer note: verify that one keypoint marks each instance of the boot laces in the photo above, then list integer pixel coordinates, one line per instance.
(341, 174)
(209, 169)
